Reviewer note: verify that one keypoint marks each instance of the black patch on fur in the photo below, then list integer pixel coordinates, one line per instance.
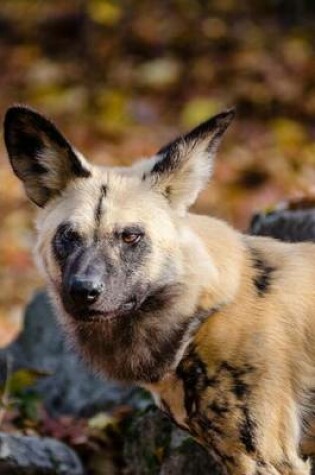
(27, 144)
(218, 409)
(169, 159)
(193, 372)
(208, 425)
(248, 431)
(76, 166)
(240, 388)
(264, 273)
(168, 191)
(25, 147)
(98, 211)
(35, 168)
(209, 398)
(65, 242)
(226, 460)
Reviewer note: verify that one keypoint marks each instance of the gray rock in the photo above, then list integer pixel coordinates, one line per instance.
(22, 455)
(292, 225)
(155, 446)
(72, 388)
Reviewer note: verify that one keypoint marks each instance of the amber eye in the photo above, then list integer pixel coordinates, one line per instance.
(131, 238)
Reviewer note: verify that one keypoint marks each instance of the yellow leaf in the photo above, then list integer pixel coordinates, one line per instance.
(289, 134)
(198, 110)
(159, 453)
(101, 421)
(105, 12)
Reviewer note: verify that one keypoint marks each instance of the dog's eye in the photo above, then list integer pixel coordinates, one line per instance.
(130, 237)
(66, 241)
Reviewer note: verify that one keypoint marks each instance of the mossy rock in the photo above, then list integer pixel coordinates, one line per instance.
(155, 446)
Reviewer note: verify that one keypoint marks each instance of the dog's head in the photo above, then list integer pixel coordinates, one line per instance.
(110, 240)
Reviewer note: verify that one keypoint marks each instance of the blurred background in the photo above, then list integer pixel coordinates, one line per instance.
(121, 78)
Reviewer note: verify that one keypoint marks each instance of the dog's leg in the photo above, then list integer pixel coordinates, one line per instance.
(244, 464)
(249, 439)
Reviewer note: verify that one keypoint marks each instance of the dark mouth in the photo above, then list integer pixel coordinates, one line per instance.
(90, 315)
(149, 301)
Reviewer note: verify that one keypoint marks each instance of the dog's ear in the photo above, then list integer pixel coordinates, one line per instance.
(182, 169)
(40, 156)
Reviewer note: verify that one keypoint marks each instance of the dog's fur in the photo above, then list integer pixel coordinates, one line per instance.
(219, 326)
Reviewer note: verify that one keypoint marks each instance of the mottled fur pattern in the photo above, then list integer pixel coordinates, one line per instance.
(219, 326)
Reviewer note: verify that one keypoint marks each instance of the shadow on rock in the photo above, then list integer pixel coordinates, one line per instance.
(71, 388)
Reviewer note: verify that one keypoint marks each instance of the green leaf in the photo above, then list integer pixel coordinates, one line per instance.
(23, 379)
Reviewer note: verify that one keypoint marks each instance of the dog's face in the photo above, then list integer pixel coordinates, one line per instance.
(110, 239)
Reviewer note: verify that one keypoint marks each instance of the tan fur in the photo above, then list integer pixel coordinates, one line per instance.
(241, 310)
(274, 334)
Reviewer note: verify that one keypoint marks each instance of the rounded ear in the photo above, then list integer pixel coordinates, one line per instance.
(181, 169)
(39, 154)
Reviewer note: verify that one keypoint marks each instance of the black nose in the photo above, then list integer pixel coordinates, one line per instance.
(85, 291)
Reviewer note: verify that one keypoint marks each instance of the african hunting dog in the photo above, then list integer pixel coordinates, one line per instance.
(219, 326)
